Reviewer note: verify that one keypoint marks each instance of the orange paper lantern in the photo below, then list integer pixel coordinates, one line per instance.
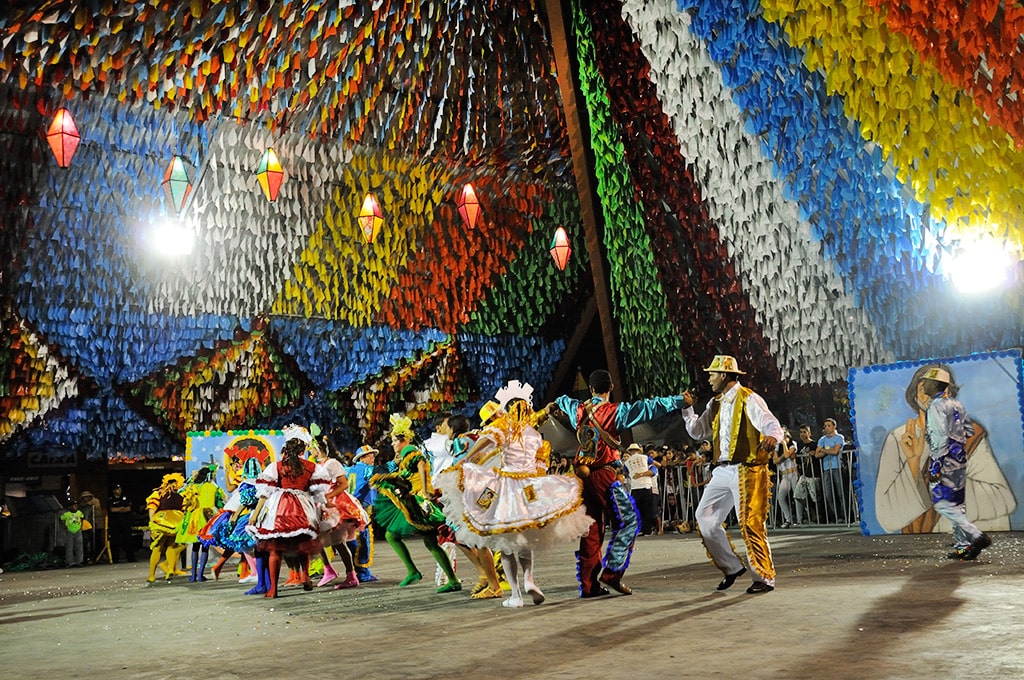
(371, 219)
(469, 206)
(560, 248)
(63, 137)
(270, 174)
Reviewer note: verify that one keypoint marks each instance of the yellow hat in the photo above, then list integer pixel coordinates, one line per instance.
(937, 374)
(488, 411)
(174, 480)
(723, 363)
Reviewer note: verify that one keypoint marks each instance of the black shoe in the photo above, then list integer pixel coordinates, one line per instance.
(759, 587)
(596, 592)
(729, 579)
(614, 581)
(977, 545)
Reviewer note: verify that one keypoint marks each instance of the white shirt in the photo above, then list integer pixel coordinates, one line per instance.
(638, 463)
(756, 409)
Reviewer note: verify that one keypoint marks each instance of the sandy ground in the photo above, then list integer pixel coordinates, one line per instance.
(846, 606)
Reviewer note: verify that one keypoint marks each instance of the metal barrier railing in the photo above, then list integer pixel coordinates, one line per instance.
(811, 497)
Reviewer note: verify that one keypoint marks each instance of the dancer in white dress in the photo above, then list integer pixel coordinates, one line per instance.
(514, 507)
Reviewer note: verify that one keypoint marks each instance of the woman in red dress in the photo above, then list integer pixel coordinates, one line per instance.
(286, 517)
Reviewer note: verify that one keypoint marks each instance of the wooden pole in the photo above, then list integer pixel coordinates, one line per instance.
(578, 130)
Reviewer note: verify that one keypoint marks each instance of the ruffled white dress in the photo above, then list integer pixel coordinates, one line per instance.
(515, 505)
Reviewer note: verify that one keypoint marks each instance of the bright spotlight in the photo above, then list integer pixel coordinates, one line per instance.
(172, 238)
(979, 266)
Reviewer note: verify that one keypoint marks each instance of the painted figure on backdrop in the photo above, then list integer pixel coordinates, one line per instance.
(902, 499)
(947, 428)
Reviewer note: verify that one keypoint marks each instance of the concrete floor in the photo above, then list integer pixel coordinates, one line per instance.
(846, 606)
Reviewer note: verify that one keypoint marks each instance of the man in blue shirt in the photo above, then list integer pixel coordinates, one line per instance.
(598, 422)
(829, 450)
(359, 486)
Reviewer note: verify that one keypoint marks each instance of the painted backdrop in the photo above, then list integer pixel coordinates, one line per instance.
(229, 450)
(887, 428)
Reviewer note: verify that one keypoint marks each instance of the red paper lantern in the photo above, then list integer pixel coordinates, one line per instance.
(177, 183)
(560, 248)
(63, 137)
(371, 219)
(469, 206)
(270, 174)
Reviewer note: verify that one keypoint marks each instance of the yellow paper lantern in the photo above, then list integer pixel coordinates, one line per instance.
(270, 174)
(371, 219)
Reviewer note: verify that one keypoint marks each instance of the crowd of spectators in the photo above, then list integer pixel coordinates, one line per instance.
(798, 468)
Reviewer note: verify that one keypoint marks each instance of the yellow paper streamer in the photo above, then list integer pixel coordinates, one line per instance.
(936, 137)
(340, 276)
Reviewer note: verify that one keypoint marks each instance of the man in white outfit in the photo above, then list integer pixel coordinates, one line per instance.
(743, 434)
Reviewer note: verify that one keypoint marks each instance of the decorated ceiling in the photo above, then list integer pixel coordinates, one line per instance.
(787, 181)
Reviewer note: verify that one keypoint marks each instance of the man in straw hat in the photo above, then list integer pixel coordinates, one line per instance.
(362, 546)
(947, 427)
(743, 434)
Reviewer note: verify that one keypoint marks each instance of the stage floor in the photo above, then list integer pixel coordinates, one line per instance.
(845, 606)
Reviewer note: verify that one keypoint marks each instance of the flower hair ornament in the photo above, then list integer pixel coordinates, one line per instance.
(294, 431)
(172, 480)
(401, 427)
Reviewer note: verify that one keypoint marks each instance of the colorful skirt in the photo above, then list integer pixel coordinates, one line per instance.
(342, 519)
(163, 528)
(288, 522)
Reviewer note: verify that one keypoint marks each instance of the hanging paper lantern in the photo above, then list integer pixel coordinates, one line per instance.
(63, 137)
(177, 183)
(370, 218)
(270, 174)
(469, 206)
(560, 248)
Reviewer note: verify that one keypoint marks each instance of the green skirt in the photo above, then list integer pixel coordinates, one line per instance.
(403, 515)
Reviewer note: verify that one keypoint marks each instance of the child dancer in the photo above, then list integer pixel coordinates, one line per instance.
(286, 517)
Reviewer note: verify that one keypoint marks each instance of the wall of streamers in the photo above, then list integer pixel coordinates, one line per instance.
(870, 226)
(707, 302)
(814, 327)
(650, 346)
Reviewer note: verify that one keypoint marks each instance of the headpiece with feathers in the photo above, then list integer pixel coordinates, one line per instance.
(401, 427)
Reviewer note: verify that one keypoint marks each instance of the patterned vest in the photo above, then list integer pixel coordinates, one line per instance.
(743, 436)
